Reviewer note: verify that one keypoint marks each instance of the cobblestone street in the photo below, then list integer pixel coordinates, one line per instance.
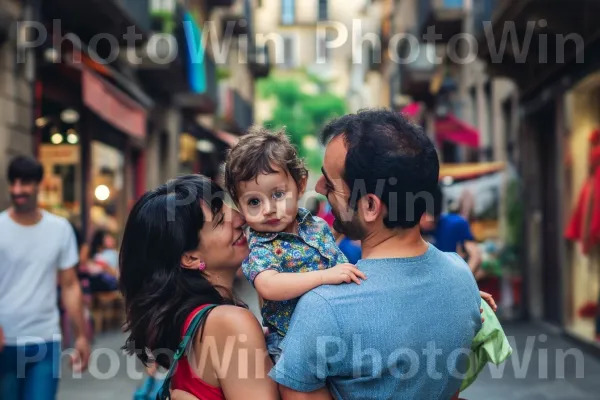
(531, 385)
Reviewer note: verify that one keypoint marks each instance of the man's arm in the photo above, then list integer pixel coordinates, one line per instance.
(72, 301)
(474, 259)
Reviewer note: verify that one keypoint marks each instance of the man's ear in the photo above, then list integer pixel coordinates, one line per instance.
(371, 207)
(191, 259)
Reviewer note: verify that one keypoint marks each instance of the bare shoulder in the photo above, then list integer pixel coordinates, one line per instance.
(232, 320)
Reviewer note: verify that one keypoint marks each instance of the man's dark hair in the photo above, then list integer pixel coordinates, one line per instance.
(390, 157)
(25, 168)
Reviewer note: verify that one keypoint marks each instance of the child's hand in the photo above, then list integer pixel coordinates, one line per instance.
(489, 299)
(342, 273)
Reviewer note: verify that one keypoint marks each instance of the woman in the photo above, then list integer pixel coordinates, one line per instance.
(181, 249)
(102, 263)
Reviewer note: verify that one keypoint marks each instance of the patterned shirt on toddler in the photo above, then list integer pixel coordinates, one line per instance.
(312, 249)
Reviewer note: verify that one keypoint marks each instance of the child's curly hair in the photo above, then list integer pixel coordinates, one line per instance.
(261, 152)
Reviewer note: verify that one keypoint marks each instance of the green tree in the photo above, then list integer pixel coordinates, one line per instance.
(302, 114)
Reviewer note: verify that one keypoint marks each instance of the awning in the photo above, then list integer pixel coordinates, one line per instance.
(469, 170)
(452, 129)
(113, 105)
(412, 110)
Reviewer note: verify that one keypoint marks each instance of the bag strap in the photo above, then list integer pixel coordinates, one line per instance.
(164, 392)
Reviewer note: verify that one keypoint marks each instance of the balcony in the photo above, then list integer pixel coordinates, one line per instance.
(483, 11)
(569, 30)
(445, 15)
(220, 3)
(202, 96)
(89, 18)
(416, 76)
(234, 24)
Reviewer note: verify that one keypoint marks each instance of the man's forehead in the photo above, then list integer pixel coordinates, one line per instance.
(335, 156)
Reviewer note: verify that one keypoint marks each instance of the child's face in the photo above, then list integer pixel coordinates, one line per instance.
(269, 202)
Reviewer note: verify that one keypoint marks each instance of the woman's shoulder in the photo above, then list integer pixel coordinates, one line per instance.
(232, 319)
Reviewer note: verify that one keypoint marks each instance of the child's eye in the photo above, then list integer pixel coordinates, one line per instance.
(278, 195)
(253, 202)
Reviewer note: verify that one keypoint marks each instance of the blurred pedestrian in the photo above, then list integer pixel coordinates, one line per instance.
(103, 262)
(450, 232)
(35, 248)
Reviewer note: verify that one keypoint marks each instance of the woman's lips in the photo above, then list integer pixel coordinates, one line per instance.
(241, 241)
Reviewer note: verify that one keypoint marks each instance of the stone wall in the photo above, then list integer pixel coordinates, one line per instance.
(16, 100)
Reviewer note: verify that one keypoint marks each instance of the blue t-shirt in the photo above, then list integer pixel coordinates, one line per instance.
(452, 230)
(404, 333)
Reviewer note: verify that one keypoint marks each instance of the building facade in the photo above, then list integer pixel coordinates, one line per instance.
(557, 77)
(109, 117)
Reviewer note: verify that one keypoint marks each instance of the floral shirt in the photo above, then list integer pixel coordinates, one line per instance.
(312, 249)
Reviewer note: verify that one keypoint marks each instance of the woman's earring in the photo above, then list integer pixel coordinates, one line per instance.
(202, 266)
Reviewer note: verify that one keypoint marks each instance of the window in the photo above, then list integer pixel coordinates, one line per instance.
(322, 10)
(289, 52)
(288, 12)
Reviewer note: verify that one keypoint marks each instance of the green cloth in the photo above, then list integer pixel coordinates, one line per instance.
(490, 345)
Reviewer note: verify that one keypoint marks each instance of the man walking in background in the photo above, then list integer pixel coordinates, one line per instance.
(36, 247)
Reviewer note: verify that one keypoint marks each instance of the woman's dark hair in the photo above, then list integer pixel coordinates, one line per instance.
(25, 168)
(97, 242)
(160, 294)
(390, 157)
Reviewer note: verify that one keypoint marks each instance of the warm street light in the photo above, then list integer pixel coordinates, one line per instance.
(72, 137)
(102, 192)
(56, 138)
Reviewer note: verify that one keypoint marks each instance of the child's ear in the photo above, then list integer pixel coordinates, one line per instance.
(302, 186)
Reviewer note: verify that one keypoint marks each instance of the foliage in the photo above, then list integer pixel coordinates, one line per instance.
(301, 113)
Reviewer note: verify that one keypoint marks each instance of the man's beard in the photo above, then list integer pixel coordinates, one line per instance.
(352, 229)
(27, 206)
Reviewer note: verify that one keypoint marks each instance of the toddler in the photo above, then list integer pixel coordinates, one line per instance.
(265, 178)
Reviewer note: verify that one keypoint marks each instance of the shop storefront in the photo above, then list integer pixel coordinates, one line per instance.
(90, 138)
(581, 213)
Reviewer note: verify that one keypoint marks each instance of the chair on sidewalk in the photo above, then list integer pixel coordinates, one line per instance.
(107, 311)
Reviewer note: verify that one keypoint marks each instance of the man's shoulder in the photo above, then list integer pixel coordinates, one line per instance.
(54, 220)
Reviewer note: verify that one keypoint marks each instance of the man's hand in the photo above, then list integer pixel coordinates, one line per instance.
(81, 356)
(1, 339)
(343, 273)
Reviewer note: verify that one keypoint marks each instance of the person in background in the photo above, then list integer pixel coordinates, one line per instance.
(451, 233)
(102, 263)
(36, 247)
(350, 248)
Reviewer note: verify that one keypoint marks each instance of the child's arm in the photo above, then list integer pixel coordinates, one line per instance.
(276, 286)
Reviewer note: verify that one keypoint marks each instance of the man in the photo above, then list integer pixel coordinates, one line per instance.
(451, 232)
(35, 248)
(405, 331)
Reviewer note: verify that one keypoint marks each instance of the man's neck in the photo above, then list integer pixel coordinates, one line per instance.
(394, 244)
(26, 218)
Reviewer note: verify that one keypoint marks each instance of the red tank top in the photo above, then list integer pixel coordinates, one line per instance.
(186, 379)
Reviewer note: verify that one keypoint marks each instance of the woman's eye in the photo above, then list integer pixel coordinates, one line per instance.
(253, 202)
(279, 195)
